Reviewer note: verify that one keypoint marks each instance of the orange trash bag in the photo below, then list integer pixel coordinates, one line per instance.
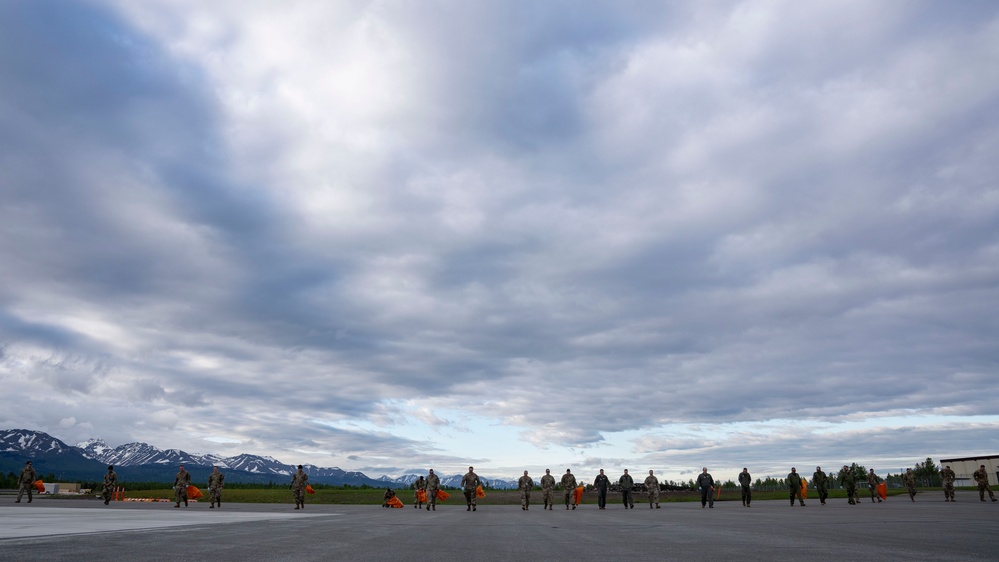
(309, 490)
(577, 495)
(39, 486)
(394, 501)
(804, 489)
(883, 490)
(421, 496)
(442, 495)
(194, 493)
(479, 492)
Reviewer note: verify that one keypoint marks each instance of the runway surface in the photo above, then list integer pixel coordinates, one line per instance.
(929, 529)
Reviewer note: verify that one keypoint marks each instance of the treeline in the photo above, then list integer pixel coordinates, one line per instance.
(9, 481)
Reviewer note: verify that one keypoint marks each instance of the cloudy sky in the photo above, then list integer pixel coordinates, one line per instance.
(389, 235)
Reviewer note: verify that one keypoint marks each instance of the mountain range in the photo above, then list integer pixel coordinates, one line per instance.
(141, 462)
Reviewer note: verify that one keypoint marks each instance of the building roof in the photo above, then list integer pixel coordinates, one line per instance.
(981, 458)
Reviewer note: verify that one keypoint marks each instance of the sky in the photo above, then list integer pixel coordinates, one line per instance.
(389, 235)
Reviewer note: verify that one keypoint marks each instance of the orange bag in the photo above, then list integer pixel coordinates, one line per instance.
(804, 489)
(442, 495)
(421, 496)
(883, 490)
(577, 495)
(479, 492)
(39, 486)
(194, 493)
(309, 490)
(394, 501)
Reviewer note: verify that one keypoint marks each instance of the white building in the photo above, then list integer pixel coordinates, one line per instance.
(965, 467)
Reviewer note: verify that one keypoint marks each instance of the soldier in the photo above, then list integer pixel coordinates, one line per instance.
(948, 477)
(981, 477)
(433, 484)
(872, 485)
(821, 482)
(27, 480)
(909, 479)
(180, 484)
(706, 484)
(547, 488)
(652, 486)
(469, 482)
(216, 481)
(299, 481)
(848, 481)
(601, 483)
(107, 488)
(746, 481)
(569, 486)
(525, 484)
(420, 486)
(794, 482)
(627, 483)
(389, 494)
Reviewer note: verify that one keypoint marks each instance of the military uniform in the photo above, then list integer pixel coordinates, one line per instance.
(706, 484)
(26, 481)
(180, 484)
(548, 489)
(820, 480)
(627, 483)
(601, 483)
(524, 485)
(569, 487)
(981, 477)
(909, 479)
(469, 482)
(433, 485)
(746, 482)
(848, 481)
(652, 485)
(948, 476)
(216, 481)
(872, 485)
(419, 486)
(299, 480)
(110, 482)
(794, 483)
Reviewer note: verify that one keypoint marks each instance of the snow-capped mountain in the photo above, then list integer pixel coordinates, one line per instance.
(32, 443)
(136, 454)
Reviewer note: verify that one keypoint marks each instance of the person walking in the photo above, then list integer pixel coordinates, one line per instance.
(299, 481)
(548, 489)
(652, 486)
(420, 492)
(180, 483)
(109, 484)
(821, 482)
(216, 481)
(433, 486)
(746, 482)
(981, 477)
(601, 483)
(469, 482)
(627, 483)
(525, 484)
(569, 488)
(848, 481)
(794, 482)
(706, 484)
(947, 476)
(26, 482)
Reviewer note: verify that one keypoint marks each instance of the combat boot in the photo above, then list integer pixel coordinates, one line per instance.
(212, 506)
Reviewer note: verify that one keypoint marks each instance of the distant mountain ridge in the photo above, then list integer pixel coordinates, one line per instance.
(143, 462)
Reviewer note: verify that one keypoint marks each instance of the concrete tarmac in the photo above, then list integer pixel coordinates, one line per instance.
(898, 529)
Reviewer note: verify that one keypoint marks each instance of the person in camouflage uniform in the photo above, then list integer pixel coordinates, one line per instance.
(26, 482)
(849, 482)
(794, 483)
(948, 477)
(524, 485)
(746, 482)
(299, 480)
(216, 481)
(652, 485)
(909, 479)
(180, 484)
(981, 477)
(872, 485)
(569, 486)
(469, 482)
(548, 488)
(419, 486)
(821, 482)
(627, 483)
(110, 482)
(433, 484)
